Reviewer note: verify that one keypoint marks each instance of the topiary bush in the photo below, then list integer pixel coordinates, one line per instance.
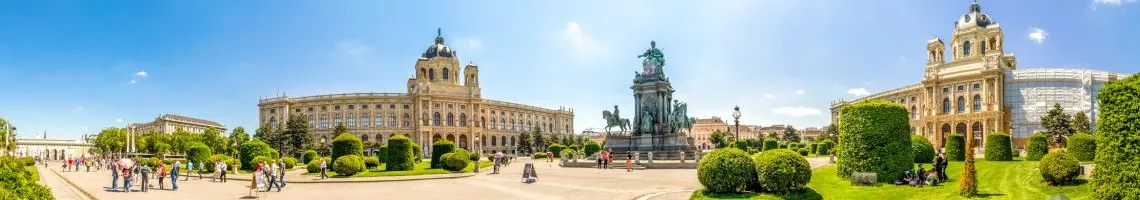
(814, 147)
(346, 144)
(784, 146)
(348, 165)
(538, 155)
(261, 159)
(574, 147)
(309, 155)
(290, 162)
(955, 147)
(473, 156)
(198, 153)
(726, 170)
(804, 151)
(314, 165)
(556, 149)
(998, 147)
(382, 154)
(1118, 147)
(1038, 147)
(371, 162)
(455, 161)
(233, 164)
(741, 144)
(400, 154)
(250, 150)
(1059, 168)
(567, 154)
(923, 150)
(874, 136)
(216, 158)
(782, 171)
(770, 144)
(440, 147)
(18, 182)
(591, 148)
(417, 153)
(1082, 146)
(825, 148)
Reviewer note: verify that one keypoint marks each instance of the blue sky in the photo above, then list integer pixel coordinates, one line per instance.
(75, 67)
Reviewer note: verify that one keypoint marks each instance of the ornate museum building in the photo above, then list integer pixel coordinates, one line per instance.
(442, 102)
(980, 89)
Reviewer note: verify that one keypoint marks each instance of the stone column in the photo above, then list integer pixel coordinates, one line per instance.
(650, 154)
(697, 156)
(636, 157)
(682, 156)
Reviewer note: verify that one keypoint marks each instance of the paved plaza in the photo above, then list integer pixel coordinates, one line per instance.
(554, 183)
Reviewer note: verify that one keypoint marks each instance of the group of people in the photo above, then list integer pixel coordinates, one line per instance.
(921, 177)
(74, 164)
(272, 174)
(606, 160)
(501, 160)
(141, 175)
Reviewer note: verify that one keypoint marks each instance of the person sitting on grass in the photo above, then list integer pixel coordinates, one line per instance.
(920, 175)
(932, 178)
(905, 179)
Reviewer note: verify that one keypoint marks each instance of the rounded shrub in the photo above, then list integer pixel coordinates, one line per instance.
(726, 170)
(874, 136)
(309, 155)
(440, 147)
(216, 158)
(382, 154)
(454, 161)
(770, 144)
(1038, 147)
(371, 162)
(955, 147)
(538, 155)
(591, 148)
(825, 148)
(250, 150)
(260, 160)
(417, 153)
(346, 144)
(149, 162)
(740, 144)
(290, 162)
(782, 171)
(575, 147)
(556, 149)
(400, 154)
(1117, 167)
(348, 165)
(198, 153)
(813, 147)
(998, 147)
(473, 156)
(784, 146)
(923, 150)
(1082, 146)
(804, 151)
(1059, 168)
(314, 165)
(567, 154)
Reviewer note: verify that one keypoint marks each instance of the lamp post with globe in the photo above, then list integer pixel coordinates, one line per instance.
(736, 118)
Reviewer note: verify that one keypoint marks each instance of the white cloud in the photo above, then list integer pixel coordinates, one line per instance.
(353, 50)
(1112, 2)
(1037, 35)
(119, 120)
(580, 40)
(141, 74)
(475, 44)
(133, 81)
(80, 108)
(858, 91)
(799, 91)
(767, 95)
(796, 111)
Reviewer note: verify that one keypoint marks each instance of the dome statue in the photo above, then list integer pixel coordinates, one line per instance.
(439, 49)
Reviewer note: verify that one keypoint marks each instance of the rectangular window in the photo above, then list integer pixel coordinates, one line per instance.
(450, 106)
(310, 109)
(463, 107)
(911, 99)
(336, 107)
(435, 105)
(378, 106)
(324, 108)
(272, 110)
(393, 106)
(961, 88)
(945, 89)
(297, 110)
(406, 106)
(977, 86)
(350, 107)
(364, 106)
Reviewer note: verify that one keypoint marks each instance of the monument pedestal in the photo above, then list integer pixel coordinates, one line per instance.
(666, 147)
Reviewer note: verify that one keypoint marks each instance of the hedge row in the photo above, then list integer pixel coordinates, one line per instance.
(1038, 147)
(874, 136)
(1118, 147)
(998, 147)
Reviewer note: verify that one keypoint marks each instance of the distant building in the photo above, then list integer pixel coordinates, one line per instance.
(594, 135)
(811, 132)
(704, 127)
(52, 149)
(168, 123)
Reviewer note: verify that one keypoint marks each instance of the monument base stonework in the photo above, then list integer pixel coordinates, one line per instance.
(666, 147)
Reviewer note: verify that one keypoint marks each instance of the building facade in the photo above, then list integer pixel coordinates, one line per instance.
(442, 101)
(168, 123)
(976, 90)
(53, 149)
(704, 127)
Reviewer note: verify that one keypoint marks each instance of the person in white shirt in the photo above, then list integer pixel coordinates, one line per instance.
(324, 166)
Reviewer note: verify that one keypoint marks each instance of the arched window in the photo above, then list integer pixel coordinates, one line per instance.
(504, 139)
(463, 120)
(494, 140)
(379, 137)
(273, 123)
(977, 102)
(966, 48)
(961, 104)
(379, 120)
(407, 120)
(502, 123)
(993, 43)
(392, 119)
(324, 121)
(351, 120)
(946, 106)
(431, 74)
(364, 137)
(549, 127)
(492, 122)
(513, 124)
(337, 120)
(483, 140)
(312, 122)
(364, 120)
(423, 72)
(435, 119)
(482, 122)
(960, 129)
(445, 74)
(913, 112)
(425, 118)
(450, 119)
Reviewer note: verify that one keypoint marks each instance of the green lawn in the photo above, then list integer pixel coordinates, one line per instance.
(996, 180)
(422, 168)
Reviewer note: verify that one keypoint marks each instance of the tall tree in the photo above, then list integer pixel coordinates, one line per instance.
(1057, 122)
(539, 141)
(717, 138)
(111, 140)
(339, 129)
(790, 134)
(832, 133)
(237, 137)
(180, 141)
(525, 143)
(296, 137)
(1080, 123)
(214, 139)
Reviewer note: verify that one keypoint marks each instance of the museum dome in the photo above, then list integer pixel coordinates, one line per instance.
(439, 49)
(974, 18)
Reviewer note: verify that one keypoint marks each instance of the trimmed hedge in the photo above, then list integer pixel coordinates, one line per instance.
(309, 155)
(998, 147)
(567, 154)
(382, 154)
(473, 156)
(290, 162)
(824, 148)
(740, 144)
(1038, 147)
(198, 153)
(955, 147)
(923, 150)
(770, 144)
(400, 154)
(591, 148)
(250, 150)
(440, 147)
(726, 170)
(556, 149)
(417, 153)
(814, 147)
(371, 162)
(1082, 146)
(538, 155)
(261, 159)
(314, 165)
(454, 161)
(804, 151)
(782, 171)
(1059, 168)
(348, 165)
(1118, 147)
(19, 182)
(874, 136)
(346, 144)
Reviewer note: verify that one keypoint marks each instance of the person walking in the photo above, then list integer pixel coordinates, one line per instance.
(88, 164)
(189, 169)
(324, 167)
(114, 179)
(271, 175)
(628, 162)
(201, 169)
(161, 176)
(174, 175)
(281, 172)
(225, 170)
(126, 180)
(145, 177)
(498, 161)
(942, 164)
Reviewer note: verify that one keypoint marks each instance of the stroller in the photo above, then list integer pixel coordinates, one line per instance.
(529, 175)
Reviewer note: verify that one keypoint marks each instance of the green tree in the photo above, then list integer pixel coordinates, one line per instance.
(1057, 122)
(237, 137)
(339, 129)
(296, 137)
(717, 138)
(214, 140)
(524, 144)
(539, 142)
(832, 133)
(790, 134)
(180, 141)
(111, 140)
(1080, 123)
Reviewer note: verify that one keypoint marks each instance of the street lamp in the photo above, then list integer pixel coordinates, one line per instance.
(736, 118)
